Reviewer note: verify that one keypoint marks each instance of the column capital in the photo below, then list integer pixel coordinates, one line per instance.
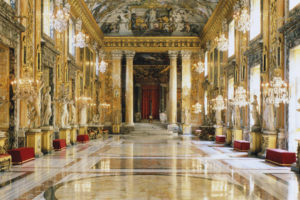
(129, 54)
(186, 54)
(173, 54)
(116, 54)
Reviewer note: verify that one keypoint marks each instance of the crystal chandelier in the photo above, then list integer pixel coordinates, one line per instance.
(276, 91)
(222, 41)
(24, 87)
(103, 66)
(241, 15)
(200, 67)
(240, 98)
(197, 108)
(61, 18)
(80, 37)
(218, 103)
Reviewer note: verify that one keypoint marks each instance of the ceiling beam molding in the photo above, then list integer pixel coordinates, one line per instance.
(214, 23)
(80, 10)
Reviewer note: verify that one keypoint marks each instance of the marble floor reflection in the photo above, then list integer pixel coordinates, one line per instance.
(148, 167)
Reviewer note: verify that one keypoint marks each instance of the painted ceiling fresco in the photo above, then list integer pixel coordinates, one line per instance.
(151, 17)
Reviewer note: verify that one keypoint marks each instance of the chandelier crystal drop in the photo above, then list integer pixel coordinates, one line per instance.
(61, 17)
(103, 66)
(240, 98)
(197, 108)
(80, 37)
(241, 16)
(276, 92)
(218, 103)
(199, 67)
(222, 43)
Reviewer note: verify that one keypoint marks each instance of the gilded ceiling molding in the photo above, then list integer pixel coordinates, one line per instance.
(80, 10)
(214, 24)
(152, 44)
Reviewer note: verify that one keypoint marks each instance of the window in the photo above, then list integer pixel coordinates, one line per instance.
(293, 3)
(231, 35)
(71, 37)
(254, 89)
(206, 64)
(255, 19)
(47, 12)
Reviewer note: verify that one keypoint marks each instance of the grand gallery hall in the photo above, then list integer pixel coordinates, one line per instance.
(149, 99)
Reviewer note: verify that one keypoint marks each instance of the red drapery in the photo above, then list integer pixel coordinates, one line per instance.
(150, 101)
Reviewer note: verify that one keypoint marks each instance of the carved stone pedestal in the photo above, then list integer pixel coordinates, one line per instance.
(237, 134)
(255, 142)
(73, 135)
(116, 129)
(34, 140)
(64, 133)
(186, 129)
(47, 139)
(269, 139)
(296, 165)
(228, 136)
(219, 130)
(173, 127)
(82, 130)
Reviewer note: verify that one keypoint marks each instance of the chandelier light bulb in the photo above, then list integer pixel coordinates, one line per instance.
(200, 68)
(80, 40)
(197, 108)
(61, 17)
(240, 98)
(222, 43)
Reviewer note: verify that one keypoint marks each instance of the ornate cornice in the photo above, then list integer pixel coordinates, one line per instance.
(186, 54)
(173, 54)
(152, 44)
(80, 10)
(116, 54)
(129, 54)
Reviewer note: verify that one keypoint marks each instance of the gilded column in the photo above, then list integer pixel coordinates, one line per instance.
(173, 92)
(129, 88)
(186, 91)
(116, 84)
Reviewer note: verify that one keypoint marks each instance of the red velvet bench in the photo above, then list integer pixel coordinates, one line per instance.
(280, 157)
(59, 144)
(21, 155)
(105, 131)
(241, 145)
(83, 138)
(220, 139)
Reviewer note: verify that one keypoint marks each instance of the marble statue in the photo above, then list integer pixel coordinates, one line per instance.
(83, 114)
(65, 114)
(163, 117)
(255, 114)
(73, 113)
(218, 117)
(230, 113)
(269, 116)
(237, 117)
(34, 107)
(47, 107)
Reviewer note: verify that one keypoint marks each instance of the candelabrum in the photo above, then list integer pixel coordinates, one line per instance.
(241, 15)
(61, 17)
(103, 66)
(240, 98)
(80, 37)
(197, 108)
(276, 91)
(104, 105)
(84, 100)
(222, 41)
(219, 103)
(199, 67)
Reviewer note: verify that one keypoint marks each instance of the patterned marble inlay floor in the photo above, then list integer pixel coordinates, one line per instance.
(148, 167)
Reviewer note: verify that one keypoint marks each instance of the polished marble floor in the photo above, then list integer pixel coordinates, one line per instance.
(150, 167)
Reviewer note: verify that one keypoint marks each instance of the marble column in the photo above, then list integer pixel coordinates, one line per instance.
(116, 83)
(129, 88)
(186, 91)
(173, 92)
(162, 98)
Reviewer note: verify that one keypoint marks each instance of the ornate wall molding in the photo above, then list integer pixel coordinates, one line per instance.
(151, 44)
(49, 52)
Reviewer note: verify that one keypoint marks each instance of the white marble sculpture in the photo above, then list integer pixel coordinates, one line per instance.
(218, 117)
(163, 117)
(269, 117)
(255, 113)
(230, 113)
(47, 107)
(34, 107)
(237, 117)
(83, 114)
(65, 115)
(73, 113)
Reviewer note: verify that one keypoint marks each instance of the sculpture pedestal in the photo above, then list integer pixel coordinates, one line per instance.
(228, 136)
(237, 134)
(255, 142)
(82, 130)
(219, 130)
(186, 129)
(64, 133)
(269, 139)
(34, 140)
(116, 129)
(73, 135)
(296, 165)
(47, 138)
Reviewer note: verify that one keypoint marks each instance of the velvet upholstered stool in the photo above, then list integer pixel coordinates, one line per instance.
(21, 155)
(280, 157)
(83, 138)
(220, 139)
(59, 144)
(241, 145)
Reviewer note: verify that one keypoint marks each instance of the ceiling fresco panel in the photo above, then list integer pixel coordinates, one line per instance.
(151, 17)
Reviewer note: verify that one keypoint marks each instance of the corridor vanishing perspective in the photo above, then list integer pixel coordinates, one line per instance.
(148, 164)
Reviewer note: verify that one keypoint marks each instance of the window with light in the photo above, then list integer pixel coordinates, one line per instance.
(71, 37)
(293, 3)
(255, 17)
(231, 35)
(47, 13)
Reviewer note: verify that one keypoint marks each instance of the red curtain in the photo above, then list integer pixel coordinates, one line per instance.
(150, 101)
